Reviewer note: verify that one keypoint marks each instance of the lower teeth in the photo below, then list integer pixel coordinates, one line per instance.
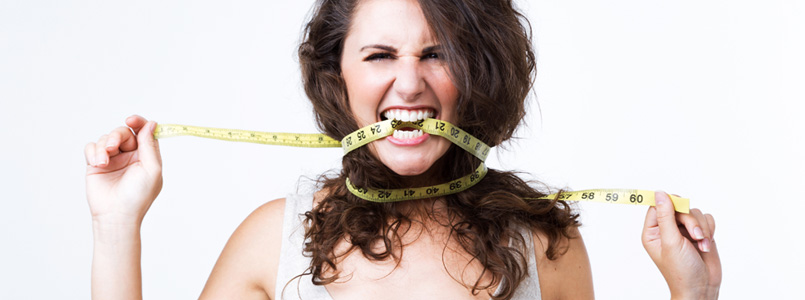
(404, 135)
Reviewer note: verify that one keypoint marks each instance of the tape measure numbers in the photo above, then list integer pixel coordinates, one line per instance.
(373, 132)
(622, 196)
(395, 195)
(441, 128)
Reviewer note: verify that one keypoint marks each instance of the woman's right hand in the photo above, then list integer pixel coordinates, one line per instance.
(682, 247)
(124, 172)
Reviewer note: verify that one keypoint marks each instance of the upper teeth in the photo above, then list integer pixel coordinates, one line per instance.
(408, 115)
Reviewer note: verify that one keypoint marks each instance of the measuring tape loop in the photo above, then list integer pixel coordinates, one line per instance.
(366, 135)
(439, 190)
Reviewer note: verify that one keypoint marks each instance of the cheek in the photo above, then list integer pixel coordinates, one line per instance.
(447, 93)
(364, 91)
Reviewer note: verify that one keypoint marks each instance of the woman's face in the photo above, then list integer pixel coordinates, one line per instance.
(393, 69)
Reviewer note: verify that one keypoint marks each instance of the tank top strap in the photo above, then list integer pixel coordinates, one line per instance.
(529, 288)
(292, 261)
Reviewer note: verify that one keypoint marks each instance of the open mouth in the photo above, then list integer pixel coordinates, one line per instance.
(407, 135)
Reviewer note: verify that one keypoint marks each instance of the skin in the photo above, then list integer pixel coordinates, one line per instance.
(682, 247)
(391, 59)
(124, 177)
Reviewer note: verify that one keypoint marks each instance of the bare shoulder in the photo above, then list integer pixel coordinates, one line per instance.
(247, 267)
(569, 276)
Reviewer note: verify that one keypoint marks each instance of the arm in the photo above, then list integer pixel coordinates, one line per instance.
(567, 277)
(116, 261)
(123, 177)
(247, 267)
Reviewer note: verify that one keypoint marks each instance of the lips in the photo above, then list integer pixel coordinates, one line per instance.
(405, 136)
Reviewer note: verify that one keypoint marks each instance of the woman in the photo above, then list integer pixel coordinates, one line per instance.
(469, 63)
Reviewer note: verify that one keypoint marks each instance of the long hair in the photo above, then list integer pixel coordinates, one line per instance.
(487, 48)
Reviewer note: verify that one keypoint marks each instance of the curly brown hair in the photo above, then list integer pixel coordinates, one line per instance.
(487, 48)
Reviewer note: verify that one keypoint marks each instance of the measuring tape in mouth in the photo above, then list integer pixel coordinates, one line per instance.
(379, 130)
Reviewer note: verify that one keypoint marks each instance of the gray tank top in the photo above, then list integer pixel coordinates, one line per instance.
(292, 262)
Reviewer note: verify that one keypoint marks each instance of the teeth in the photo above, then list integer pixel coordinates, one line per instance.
(405, 116)
(408, 115)
(404, 135)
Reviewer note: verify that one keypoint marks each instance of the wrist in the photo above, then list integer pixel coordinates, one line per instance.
(691, 293)
(691, 296)
(115, 219)
(712, 292)
(115, 231)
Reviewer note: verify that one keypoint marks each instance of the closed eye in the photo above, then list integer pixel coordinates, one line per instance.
(378, 56)
(432, 55)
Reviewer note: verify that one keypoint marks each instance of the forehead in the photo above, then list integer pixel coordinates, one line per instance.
(394, 22)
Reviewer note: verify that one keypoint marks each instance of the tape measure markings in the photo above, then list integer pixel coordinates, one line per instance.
(395, 195)
(366, 135)
(309, 140)
(382, 129)
(623, 196)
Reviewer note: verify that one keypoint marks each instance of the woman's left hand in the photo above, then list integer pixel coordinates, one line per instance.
(682, 247)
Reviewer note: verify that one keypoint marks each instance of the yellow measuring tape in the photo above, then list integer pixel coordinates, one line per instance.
(311, 140)
(623, 196)
(373, 132)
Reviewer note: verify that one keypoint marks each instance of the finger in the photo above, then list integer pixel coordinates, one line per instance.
(697, 230)
(89, 154)
(148, 146)
(101, 157)
(706, 245)
(704, 228)
(121, 139)
(135, 122)
(113, 142)
(650, 229)
(703, 223)
(651, 218)
(713, 262)
(712, 222)
(666, 219)
(693, 222)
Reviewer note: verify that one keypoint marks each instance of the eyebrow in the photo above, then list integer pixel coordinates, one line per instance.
(379, 46)
(394, 50)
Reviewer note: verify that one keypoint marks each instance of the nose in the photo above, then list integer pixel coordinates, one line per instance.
(409, 82)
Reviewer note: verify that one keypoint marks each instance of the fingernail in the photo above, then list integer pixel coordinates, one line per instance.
(698, 233)
(110, 144)
(661, 198)
(706, 245)
(100, 160)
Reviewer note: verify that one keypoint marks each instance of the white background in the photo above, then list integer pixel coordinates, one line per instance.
(698, 98)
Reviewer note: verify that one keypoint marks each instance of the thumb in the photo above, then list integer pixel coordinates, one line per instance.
(148, 146)
(666, 219)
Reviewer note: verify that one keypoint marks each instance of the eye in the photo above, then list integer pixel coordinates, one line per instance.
(378, 56)
(432, 55)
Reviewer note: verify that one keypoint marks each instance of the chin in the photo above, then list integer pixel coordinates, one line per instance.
(409, 169)
(409, 165)
(410, 161)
